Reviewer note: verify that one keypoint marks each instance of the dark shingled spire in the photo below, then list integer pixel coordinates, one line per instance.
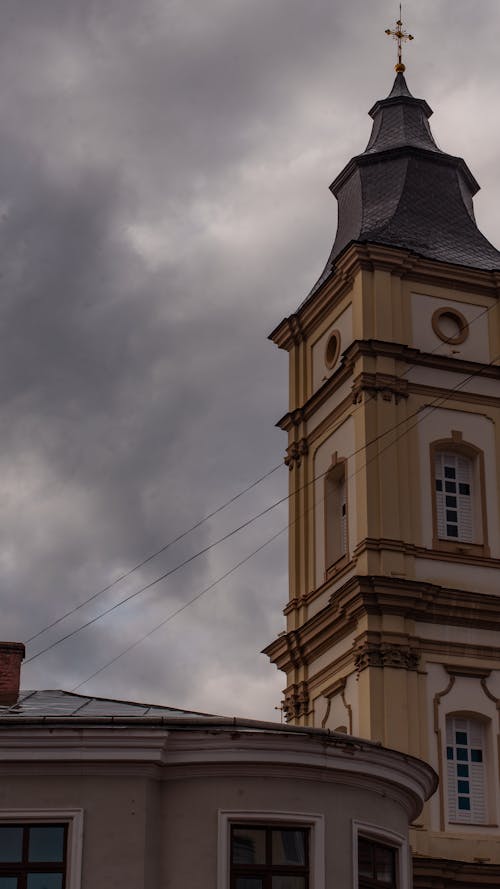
(403, 191)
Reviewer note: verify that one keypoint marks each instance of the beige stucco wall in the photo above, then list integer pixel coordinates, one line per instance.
(155, 823)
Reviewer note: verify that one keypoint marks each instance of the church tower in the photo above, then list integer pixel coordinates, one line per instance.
(393, 430)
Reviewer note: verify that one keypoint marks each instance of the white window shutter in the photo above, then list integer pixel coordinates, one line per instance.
(440, 512)
(472, 786)
(343, 514)
(465, 516)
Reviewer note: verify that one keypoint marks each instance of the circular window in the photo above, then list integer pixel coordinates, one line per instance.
(450, 326)
(332, 349)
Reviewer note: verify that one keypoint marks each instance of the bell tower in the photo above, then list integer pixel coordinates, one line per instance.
(393, 431)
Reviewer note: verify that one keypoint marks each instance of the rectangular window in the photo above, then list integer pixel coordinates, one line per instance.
(270, 850)
(40, 848)
(269, 857)
(377, 865)
(33, 856)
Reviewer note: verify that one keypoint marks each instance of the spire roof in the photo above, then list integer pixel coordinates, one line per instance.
(404, 191)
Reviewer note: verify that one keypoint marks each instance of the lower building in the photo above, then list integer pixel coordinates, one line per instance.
(105, 793)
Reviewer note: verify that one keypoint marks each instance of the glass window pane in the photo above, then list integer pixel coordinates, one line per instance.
(464, 490)
(284, 882)
(462, 754)
(249, 883)
(464, 803)
(248, 845)
(8, 882)
(476, 755)
(461, 737)
(451, 515)
(11, 844)
(46, 843)
(365, 858)
(449, 753)
(288, 847)
(464, 787)
(451, 502)
(449, 472)
(450, 487)
(439, 484)
(463, 771)
(45, 881)
(384, 864)
(452, 530)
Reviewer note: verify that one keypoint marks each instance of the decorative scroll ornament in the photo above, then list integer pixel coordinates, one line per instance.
(296, 701)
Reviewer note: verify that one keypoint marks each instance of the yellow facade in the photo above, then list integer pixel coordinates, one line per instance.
(392, 627)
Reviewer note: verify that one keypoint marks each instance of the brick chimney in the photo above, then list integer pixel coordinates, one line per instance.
(11, 656)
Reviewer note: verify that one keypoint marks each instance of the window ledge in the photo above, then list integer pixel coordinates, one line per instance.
(337, 567)
(461, 547)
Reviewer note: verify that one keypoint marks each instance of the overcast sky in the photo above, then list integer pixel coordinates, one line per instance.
(164, 172)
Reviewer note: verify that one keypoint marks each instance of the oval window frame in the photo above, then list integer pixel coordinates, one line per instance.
(332, 349)
(457, 316)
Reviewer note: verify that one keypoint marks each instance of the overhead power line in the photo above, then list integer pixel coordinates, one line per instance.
(210, 515)
(158, 552)
(432, 406)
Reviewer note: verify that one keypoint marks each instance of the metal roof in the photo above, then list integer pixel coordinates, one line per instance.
(404, 191)
(65, 704)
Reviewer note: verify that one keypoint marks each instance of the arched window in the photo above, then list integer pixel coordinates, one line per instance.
(466, 764)
(335, 514)
(459, 497)
(454, 496)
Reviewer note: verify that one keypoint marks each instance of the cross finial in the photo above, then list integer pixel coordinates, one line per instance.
(401, 37)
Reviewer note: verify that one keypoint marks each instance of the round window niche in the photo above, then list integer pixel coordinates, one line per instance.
(332, 350)
(450, 326)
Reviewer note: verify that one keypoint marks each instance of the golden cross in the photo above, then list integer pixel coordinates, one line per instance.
(401, 36)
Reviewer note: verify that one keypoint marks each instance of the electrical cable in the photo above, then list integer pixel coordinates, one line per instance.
(158, 552)
(432, 406)
(182, 608)
(210, 515)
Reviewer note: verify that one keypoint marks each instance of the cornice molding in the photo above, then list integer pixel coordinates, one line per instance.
(363, 596)
(399, 262)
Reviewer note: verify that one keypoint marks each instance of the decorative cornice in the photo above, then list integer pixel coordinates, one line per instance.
(364, 595)
(401, 263)
(373, 384)
(400, 657)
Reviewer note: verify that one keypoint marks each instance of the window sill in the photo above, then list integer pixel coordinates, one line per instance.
(337, 567)
(461, 547)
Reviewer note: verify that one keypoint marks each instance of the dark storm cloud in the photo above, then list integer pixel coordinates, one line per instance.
(163, 203)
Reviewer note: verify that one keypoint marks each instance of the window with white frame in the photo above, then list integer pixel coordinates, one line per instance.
(270, 850)
(454, 496)
(336, 514)
(269, 856)
(466, 777)
(377, 865)
(40, 849)
(380, 858)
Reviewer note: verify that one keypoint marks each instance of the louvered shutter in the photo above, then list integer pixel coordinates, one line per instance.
(465, 517)
(451, 773)
(440, 509)
(466, 770)
(477, 773)
(343, 514)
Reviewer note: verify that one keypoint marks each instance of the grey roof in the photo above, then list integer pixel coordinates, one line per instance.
(403, 191)
(65, 704)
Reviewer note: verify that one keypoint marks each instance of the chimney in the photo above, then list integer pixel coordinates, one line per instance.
(11, 656)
